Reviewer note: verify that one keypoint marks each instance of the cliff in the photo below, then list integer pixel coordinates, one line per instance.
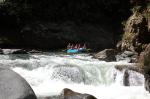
(136, 29)
(38, 24)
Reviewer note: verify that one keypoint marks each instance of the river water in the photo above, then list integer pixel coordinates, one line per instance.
(49, 73)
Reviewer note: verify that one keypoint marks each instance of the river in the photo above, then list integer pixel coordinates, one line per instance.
(49, 73)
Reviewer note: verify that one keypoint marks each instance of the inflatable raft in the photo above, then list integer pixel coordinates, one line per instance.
(76, 50)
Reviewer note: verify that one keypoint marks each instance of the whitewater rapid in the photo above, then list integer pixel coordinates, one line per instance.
(49, 73)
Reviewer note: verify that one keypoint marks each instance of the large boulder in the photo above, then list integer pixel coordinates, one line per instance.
(69, 94)
(106, 55)
(13, 86)
(144, 61)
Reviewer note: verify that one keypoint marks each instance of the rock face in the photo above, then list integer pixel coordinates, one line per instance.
(69, 94)
(136, 34)
(13, 86)
(106, 55)
(38, 24)
(44, 34)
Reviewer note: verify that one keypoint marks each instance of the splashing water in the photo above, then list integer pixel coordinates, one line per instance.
(49, 73)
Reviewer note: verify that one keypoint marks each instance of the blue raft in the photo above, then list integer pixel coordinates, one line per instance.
(76, 50)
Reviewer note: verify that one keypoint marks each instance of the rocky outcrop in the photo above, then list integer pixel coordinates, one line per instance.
(69, 94)
(128, 56)
(132, 67)
(144, 61)
(13, 86)
(136, 33)
(53, 24)
(106, 55)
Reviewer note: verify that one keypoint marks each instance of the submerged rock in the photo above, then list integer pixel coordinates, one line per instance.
(126, 78)
(69, 94)
(13, 86)
(106, 55)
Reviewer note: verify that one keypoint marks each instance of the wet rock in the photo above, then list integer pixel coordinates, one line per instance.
(13, 86)
(106, 55)
(69, 94)
(132, 75)
(129, 56)
(133, 67)
(126, 78)
(147, 83)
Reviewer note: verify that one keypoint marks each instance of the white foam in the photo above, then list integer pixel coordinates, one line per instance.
(98, 76)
